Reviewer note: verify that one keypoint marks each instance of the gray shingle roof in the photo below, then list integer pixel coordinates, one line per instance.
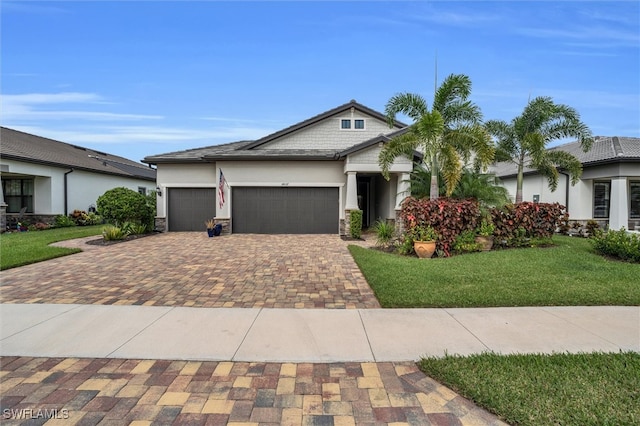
(196, 154)
(605, 149)
(30, 148)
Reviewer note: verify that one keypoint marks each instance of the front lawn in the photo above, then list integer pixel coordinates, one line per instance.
(23, 248)
(559, 389)
(569, 274)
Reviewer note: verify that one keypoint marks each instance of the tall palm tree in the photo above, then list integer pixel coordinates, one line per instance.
(448, 134)
(524, 140)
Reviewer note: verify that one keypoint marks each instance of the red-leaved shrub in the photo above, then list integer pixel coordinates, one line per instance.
(514, 222)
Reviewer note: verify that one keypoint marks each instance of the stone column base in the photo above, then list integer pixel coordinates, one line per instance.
(226, 224)
(3, 217)
(399, 224)
(160, 224)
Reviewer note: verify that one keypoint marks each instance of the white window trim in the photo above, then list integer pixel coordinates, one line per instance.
(353, 124)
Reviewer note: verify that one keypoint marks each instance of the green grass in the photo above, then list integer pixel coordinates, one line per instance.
(559, 389)
(23, 248)
(569, 274)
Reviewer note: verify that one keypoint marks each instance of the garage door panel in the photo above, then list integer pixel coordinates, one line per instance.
(291, 210)
(190, 207)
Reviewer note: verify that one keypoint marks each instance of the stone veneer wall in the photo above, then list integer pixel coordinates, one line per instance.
(226, 225)
(160, 224)
(399, 224)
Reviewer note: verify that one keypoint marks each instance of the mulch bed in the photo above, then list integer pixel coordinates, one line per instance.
(103, 242)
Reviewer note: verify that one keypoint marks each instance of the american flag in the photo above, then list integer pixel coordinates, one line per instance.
(222, 182)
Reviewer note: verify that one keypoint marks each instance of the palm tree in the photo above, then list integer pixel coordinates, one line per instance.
(448, 134)
(525, 139)
(483, 187)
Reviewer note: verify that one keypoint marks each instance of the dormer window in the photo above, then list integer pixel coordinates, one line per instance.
(348, 124)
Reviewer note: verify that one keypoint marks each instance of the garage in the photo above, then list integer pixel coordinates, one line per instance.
(285, 210)
(190, 207)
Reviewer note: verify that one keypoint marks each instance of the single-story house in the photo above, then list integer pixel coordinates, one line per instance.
(305, 178)
(42, 178)
(608, 191)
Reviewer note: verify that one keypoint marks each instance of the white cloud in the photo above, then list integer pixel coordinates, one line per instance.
(41, 106)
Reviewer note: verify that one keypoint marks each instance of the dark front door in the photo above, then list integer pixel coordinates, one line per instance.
(288, 210)
(190, 207)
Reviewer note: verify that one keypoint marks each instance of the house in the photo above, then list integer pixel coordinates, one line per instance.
(608, 191)
(305, 178)
(42, 178)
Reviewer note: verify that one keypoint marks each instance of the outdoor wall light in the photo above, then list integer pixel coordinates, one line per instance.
(159, 191)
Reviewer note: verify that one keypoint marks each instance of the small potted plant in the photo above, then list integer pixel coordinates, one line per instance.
(210, 224)
(424, 241)
(484, 234)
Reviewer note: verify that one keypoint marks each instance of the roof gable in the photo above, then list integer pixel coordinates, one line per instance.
(30, 148)
(351, 109)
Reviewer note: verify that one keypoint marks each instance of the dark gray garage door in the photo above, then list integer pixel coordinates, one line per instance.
(190, 207)
(291, 210)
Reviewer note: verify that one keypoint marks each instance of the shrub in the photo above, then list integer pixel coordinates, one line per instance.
(447, 216)
(41, 226)
(355, 220)
(465, 242)
(516, 224)
(120, 205)
(384, 232)
(82, 218)
(134, 228)
(112, 233)
(592, 227)
(62, 221)
(620, 244)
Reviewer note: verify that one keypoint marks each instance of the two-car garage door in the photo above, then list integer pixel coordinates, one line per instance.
(285, 210)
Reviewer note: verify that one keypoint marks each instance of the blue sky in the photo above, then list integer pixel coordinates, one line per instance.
(143, 78)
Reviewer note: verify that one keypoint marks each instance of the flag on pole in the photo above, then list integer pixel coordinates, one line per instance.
(222, 182)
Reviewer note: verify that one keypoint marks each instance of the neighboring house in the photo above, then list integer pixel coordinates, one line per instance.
(608, 191)
(42, 178)
(302, 179)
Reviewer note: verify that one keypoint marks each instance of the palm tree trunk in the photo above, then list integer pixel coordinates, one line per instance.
(519, 181)
(434, 190)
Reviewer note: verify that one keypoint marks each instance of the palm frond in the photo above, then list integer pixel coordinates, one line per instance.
(450, 167)
(568, 162)
(404, 144)
(454, 87)
(410, 104)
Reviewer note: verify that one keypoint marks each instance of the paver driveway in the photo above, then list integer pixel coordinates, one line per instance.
(190, 269)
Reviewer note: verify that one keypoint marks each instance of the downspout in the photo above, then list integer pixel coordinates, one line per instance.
(66, 198)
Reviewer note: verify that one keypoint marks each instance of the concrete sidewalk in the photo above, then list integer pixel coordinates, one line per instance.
(309, 335)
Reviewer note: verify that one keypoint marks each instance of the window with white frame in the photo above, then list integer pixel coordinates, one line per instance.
(142, 190)
(18, 194)
(349, 124)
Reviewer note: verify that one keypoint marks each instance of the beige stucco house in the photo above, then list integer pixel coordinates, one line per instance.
(608, 191)
(302, 179)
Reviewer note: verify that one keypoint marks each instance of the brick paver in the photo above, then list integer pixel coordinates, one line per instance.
(120, 391)
(190, 269)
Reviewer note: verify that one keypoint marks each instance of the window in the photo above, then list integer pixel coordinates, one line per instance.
(634, 201)
(142, 190)
(18, 194)
(601, 194)
(348, 124)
